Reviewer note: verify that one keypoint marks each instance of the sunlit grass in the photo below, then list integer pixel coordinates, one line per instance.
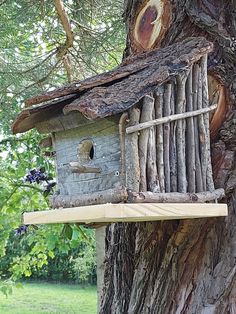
(42, 298)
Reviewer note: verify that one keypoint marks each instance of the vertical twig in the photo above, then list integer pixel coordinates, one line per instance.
(202, 133)
(152, 175)
(146, 115)
(180, 133)
(173, 154)
(166, 136)
(205, 103)
(122, 122)
(132, 156)
(159, 130)
(190, 142)
(198, 173)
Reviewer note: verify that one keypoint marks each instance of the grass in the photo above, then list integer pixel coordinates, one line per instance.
(44, 298)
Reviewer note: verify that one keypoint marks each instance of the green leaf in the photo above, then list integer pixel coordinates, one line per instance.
(68, 231)
(27, 273)
(51, 241)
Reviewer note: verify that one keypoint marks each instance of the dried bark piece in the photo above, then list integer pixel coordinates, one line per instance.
(118, 90)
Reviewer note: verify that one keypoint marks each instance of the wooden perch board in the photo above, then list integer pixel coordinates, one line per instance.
(115, 91)
(109, 213)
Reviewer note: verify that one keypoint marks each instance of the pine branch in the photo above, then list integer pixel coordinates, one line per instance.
(41, 80)
(11, 139)
(3, 2)
(85, 28)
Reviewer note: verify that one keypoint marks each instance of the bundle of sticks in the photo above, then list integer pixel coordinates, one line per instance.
(169, 131)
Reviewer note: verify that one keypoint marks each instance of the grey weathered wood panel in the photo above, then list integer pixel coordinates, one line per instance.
(61, 123)
(105, 138)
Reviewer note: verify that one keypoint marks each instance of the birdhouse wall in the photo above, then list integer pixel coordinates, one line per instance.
(96, 148)
(172, 156)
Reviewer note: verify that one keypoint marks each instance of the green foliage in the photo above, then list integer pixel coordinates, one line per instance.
(47, 254)
(85, 265)
(33, 253)
(15, 194)
(31, 35)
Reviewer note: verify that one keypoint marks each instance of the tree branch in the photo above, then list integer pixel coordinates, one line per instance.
(67, 67)
(63, 49)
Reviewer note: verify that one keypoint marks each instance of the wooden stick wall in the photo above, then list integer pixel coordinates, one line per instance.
(175, 156)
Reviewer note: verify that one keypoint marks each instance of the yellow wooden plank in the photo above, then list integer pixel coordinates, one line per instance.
(126, 213)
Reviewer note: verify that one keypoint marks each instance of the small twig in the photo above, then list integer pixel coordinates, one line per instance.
(122, 122)
(145, 125)
(175, 197)
(205, 104)
(146, 114)
(198, 173)
(33, 187)
(67, 66)
(159, 138)
(190, 140)
(202, 133)
(152, 174)
(85, 28)
(180, 132)
(173, 156)
(166, 136)
(132, 154)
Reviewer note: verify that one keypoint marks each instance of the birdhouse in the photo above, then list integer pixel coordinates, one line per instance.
(132, 144)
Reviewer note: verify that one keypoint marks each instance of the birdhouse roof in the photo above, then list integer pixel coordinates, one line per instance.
(115, 91)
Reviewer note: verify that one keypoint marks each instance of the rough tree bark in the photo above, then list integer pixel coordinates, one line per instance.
(181, 266)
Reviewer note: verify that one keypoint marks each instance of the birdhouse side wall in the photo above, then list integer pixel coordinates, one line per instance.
(169, 135)
(96, 148)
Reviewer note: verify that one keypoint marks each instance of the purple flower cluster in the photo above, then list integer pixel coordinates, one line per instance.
(39, 176)
(36, 175)
(21, 230)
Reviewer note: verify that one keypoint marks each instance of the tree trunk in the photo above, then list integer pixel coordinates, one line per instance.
(183, 266)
